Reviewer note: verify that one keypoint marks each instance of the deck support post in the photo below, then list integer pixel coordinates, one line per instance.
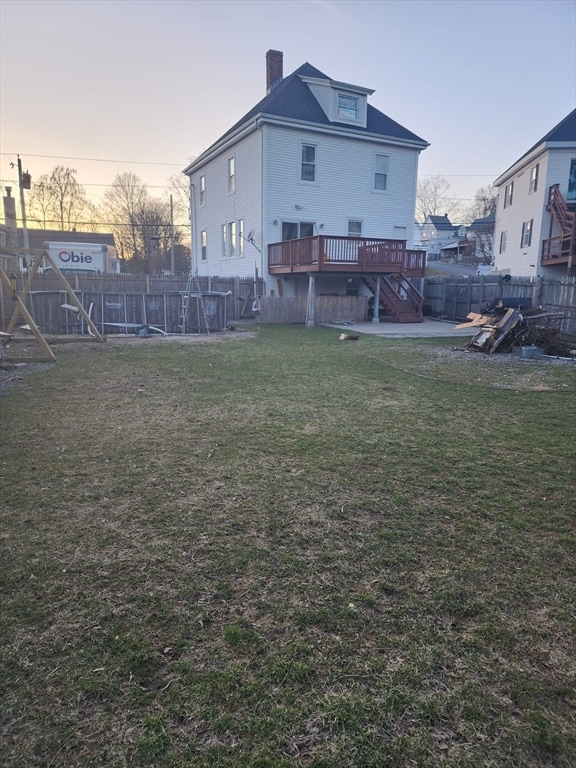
(310, 303)
(376, 310)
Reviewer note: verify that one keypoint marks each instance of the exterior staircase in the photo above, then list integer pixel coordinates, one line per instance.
(399, 298)
(562, 247)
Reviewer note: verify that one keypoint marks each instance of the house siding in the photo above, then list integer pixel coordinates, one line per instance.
(243, 204)
(343, 187)
(554, 167)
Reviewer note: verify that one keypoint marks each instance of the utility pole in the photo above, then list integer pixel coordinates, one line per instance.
(24, 183)
(172, 264)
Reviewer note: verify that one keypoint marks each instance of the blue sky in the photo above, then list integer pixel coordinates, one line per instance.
(107, 86)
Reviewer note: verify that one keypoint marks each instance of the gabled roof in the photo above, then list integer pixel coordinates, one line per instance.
(485, 223)
(440, 222)
(292, 99)
(564, 132)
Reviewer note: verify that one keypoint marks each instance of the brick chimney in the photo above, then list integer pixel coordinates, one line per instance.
(273, 69)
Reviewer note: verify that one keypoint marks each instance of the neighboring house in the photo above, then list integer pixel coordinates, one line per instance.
(534, 232)
(313, 181)
(437, 233)
(480, 234)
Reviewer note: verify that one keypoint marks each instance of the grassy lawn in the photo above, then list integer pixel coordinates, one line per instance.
(286, 550)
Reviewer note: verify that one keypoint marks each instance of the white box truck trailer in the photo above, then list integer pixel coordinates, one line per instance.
(83, 257)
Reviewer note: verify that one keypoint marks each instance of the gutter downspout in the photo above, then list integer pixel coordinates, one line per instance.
(263, 218)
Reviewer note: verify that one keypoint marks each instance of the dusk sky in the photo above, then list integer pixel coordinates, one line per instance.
(108, 86)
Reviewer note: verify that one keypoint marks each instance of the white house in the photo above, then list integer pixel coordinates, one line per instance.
(437, 233)
(309, 173)
(534, 233)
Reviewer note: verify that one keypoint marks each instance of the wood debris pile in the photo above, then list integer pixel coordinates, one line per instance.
(509, 323)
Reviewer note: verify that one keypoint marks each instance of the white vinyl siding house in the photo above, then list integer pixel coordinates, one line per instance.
(522, 221)
(276, 176)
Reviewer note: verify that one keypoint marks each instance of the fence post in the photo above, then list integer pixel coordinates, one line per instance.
(310, 303)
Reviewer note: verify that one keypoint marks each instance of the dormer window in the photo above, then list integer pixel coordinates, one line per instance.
(347, 107)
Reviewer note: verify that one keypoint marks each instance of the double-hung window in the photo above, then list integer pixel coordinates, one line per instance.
(347, 107)
(508, 193)
(533, 179)
(502, 242)
(203, 244)
(308, 163)
(526, 240)
(231, 175)
(231, 239)
(202, 191)
(381, 172)
(240, 237)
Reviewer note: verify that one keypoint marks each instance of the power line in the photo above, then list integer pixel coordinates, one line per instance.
(92, 159)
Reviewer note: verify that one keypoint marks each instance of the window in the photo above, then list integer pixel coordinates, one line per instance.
(347, 107)
(231, 175)
(527, 234)
(354, 229)
(533, 179)
(508, 192)
(224, 241)
(203, 243)
(232, 239)
(502, 242)
(308, 166)
(292, 230)
(240, 237)
(202, 191)
(289, 230)
(380, 172)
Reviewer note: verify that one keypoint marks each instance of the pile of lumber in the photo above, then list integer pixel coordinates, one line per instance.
(502, 327)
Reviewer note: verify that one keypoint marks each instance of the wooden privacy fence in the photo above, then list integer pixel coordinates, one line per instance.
(155, 300)
(455, 297)
(327, 309)
(126, 312)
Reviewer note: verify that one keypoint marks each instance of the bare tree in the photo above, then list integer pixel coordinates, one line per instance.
(141, 225)
(433, 199)
(123, 208)
(484, 203)
(58, 201)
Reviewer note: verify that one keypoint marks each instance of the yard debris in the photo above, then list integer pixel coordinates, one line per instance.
(349, 337)
(508, 323)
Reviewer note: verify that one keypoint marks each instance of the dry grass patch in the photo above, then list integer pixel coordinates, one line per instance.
(287, 552)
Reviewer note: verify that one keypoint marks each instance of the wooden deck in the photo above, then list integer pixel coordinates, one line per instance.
(345, 255)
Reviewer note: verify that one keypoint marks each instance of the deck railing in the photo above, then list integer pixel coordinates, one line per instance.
(332, 253)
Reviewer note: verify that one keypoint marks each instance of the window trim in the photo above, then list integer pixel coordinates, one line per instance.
(527, 231)
(232, 240)
(302, 163)
(224, 231)
(355, 221)
(508, 198)
(203, 245)
(231, 175)
(533, 183)
(342, 115)
(240, 237)
(202, 187)
(377, 173)
(503, 238)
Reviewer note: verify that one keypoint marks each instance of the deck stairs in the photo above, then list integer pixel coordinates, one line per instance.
(399, 298)
(562, 246)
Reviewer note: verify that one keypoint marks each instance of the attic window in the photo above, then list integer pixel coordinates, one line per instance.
(347, 107)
